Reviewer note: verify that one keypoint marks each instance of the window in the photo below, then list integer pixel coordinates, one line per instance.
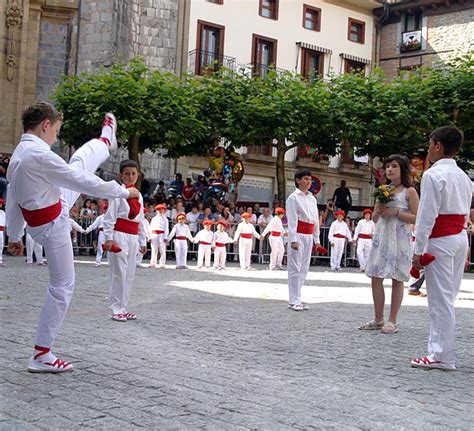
(260, 150)
(268, 9)
(352, 66)
(356, 31)
(412, 22)
(311, 18)
(210, 47)
(263, 54)
(312, 64)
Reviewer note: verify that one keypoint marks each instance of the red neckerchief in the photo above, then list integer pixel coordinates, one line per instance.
(134, 204)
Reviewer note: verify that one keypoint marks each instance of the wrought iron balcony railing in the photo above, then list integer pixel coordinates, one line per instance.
(202, 62)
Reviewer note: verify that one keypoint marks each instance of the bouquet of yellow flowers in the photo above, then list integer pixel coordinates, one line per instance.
(384, 193)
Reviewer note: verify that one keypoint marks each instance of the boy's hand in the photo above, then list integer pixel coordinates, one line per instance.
(295, 245)
(133, 193)
(143, 249)
(15, 248)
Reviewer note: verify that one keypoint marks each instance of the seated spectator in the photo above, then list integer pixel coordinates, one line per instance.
(189, 192)
(264, 219)
(160, 193)
(176, 186)
(257, 210)
(253, 217)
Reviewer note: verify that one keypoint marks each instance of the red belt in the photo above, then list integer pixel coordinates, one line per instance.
(2, 228)
(220, 244)
(365, 235)
(41, 216)
(158, 231)
(246, 235)
(126, 226)
(338, 235)
(101, 229)
(448, 224)
(204, 243)
(306, 228)
(182, 238)
(275, 233)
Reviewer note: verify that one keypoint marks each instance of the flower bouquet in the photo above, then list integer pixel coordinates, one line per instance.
(384, 193)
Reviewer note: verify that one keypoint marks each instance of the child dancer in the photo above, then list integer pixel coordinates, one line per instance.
(338, 234)
(204, 238)
(446, 193)
(363, 235)
(2, 231)
(159, 230)
(245, 231)
(123, 226)
(99, 225)
(276, 230)
(221, 238)
(33, 247)
(182, 233)
(146, 227)
(36, 175)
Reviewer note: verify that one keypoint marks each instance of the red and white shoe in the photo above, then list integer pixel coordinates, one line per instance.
(37, 365)
(430, 364)
(119, 317)
(110, 140)
(130, 316)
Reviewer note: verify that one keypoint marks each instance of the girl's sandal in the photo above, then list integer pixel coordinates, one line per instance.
(390, 328)
(372, 325)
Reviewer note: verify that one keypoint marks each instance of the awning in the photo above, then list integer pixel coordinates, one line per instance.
(314, 47)
(354, 58)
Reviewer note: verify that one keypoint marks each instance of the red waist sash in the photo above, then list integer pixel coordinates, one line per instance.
(220, 244)
(157, 232)
(182, 238)
(204, 243)
(448, 224)
(306, 228)
(246, 235)
(41, 216)
(365, 235)
(2, 228)
(275, 233)
(126, 226)
(338, 235)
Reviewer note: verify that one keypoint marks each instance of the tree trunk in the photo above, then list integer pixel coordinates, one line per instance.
(280, 170)
(133, 155)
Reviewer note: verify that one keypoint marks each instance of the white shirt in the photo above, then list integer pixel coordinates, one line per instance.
(339, 227)
(445, 189)
(222, 237)
(119, 208)
(36, 175)
(264, 220)
(245, 228)
(275, 225)
(191, 218)
(2, 219)
(303, 207)
(76, 226)
(364, 226)
(97, 224)
(159, 222)
(181, 229)
(204, 235)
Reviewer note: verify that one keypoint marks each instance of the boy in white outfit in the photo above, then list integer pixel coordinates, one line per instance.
(36, 176)
(363, 235)
(146, 227)
(123, 226)
(443, 213)
(2, 231)
(204, 238)
(244, 234)
(99, 225)
(276, 231)
(221, 238)
(338, 234)
(159, 230)
(182, 234)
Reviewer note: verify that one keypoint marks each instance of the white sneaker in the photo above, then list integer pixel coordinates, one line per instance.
(110, 120)
(58, 366)
(97, 264)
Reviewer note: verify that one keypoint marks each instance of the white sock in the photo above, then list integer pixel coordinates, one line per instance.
(47, 357)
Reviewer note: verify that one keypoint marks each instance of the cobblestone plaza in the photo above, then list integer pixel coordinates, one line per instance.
(220, 350)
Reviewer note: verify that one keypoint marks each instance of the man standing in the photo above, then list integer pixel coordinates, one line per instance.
(303, 229)
(342, 198)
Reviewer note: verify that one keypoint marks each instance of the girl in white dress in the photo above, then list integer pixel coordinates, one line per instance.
(392, 245)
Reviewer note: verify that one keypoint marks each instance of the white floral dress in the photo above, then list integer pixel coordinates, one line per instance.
(392, 245)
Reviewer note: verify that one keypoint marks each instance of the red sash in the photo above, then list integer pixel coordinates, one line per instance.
(275, 233)
(126, 226)
(365, 235)
(182, 238)
(220, 244)
(246, 235)
(41, 216)
(306, 228)
(204, 243)
(2, 228)
(339, 235)
(448, 224)
(158, 231)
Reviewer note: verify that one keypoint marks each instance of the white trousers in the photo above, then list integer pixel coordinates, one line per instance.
(363, 250)
(220, 255)
(204, 255)
(100, 241)
(181, 251)
(55, 237)
(245, 252)
(336, 252)
(298, 266)
(158, 244)
(33, 247)
(443, 279)
(278, 251)
(122, 270)
(2, 244)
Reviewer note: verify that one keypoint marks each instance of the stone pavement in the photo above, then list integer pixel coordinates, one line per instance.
(220, 351)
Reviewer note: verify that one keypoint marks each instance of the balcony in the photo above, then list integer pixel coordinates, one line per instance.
(202, 62)
(411, 41)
